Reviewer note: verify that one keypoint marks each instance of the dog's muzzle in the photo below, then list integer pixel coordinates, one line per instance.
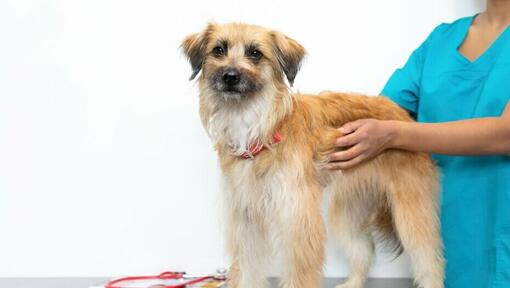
(233, 83)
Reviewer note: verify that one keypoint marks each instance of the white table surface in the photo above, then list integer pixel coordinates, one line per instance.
(86, 282)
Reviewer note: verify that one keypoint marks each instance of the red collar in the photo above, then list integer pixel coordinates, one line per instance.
(256, 148)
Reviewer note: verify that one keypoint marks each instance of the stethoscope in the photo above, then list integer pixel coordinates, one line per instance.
(182, 278)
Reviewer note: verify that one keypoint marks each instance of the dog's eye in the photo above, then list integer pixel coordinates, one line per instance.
(218, 51)
(255, 54)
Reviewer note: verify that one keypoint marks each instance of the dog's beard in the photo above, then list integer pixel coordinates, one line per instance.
(233, 96)
(240, 124)
(245, 115)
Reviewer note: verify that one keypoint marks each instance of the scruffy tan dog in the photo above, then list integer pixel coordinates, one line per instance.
(273, 145)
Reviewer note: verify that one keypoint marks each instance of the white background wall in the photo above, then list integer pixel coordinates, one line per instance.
(104, 167)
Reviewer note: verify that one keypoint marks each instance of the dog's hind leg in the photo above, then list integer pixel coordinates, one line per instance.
(349, 227)
(415, 216)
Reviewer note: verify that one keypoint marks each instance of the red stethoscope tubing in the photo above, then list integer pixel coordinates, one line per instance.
(162, 276)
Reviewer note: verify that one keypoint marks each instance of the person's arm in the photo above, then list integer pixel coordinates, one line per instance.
(369, 137)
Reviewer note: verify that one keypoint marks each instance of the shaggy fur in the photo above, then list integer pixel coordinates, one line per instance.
(273, 200)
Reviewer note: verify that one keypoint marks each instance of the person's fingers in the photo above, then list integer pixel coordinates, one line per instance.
(350, 127)
(348, 154)
(347, 140)
(343, 165)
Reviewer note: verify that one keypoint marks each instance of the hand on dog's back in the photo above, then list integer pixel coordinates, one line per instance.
(363, 139)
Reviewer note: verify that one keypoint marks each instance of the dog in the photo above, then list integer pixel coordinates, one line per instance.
(273, 146)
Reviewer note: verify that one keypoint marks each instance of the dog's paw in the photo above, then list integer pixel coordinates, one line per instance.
(349, 285)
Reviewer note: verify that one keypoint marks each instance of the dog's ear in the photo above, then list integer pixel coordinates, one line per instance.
(194, 46)
(289, 54)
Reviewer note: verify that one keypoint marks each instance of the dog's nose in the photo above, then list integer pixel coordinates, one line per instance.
(231, 77)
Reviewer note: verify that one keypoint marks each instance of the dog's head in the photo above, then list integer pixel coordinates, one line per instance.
(238, 60)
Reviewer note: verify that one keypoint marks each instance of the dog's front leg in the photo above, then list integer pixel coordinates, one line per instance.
(248, 251)
(303, 241)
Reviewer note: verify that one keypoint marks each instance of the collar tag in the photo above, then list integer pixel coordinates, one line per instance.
(256, 148)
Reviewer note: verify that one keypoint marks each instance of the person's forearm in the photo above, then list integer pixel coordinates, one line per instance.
(481, 136)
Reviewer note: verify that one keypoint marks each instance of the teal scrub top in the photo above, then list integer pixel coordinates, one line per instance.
(438, 84)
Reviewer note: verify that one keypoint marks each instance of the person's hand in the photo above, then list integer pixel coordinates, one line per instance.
(363, 139)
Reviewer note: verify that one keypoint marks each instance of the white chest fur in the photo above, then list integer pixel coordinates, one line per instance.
(240, 126)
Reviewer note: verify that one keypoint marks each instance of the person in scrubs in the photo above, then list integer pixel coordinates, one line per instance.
(457, 86)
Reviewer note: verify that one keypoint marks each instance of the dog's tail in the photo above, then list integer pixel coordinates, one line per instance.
(383, 230)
